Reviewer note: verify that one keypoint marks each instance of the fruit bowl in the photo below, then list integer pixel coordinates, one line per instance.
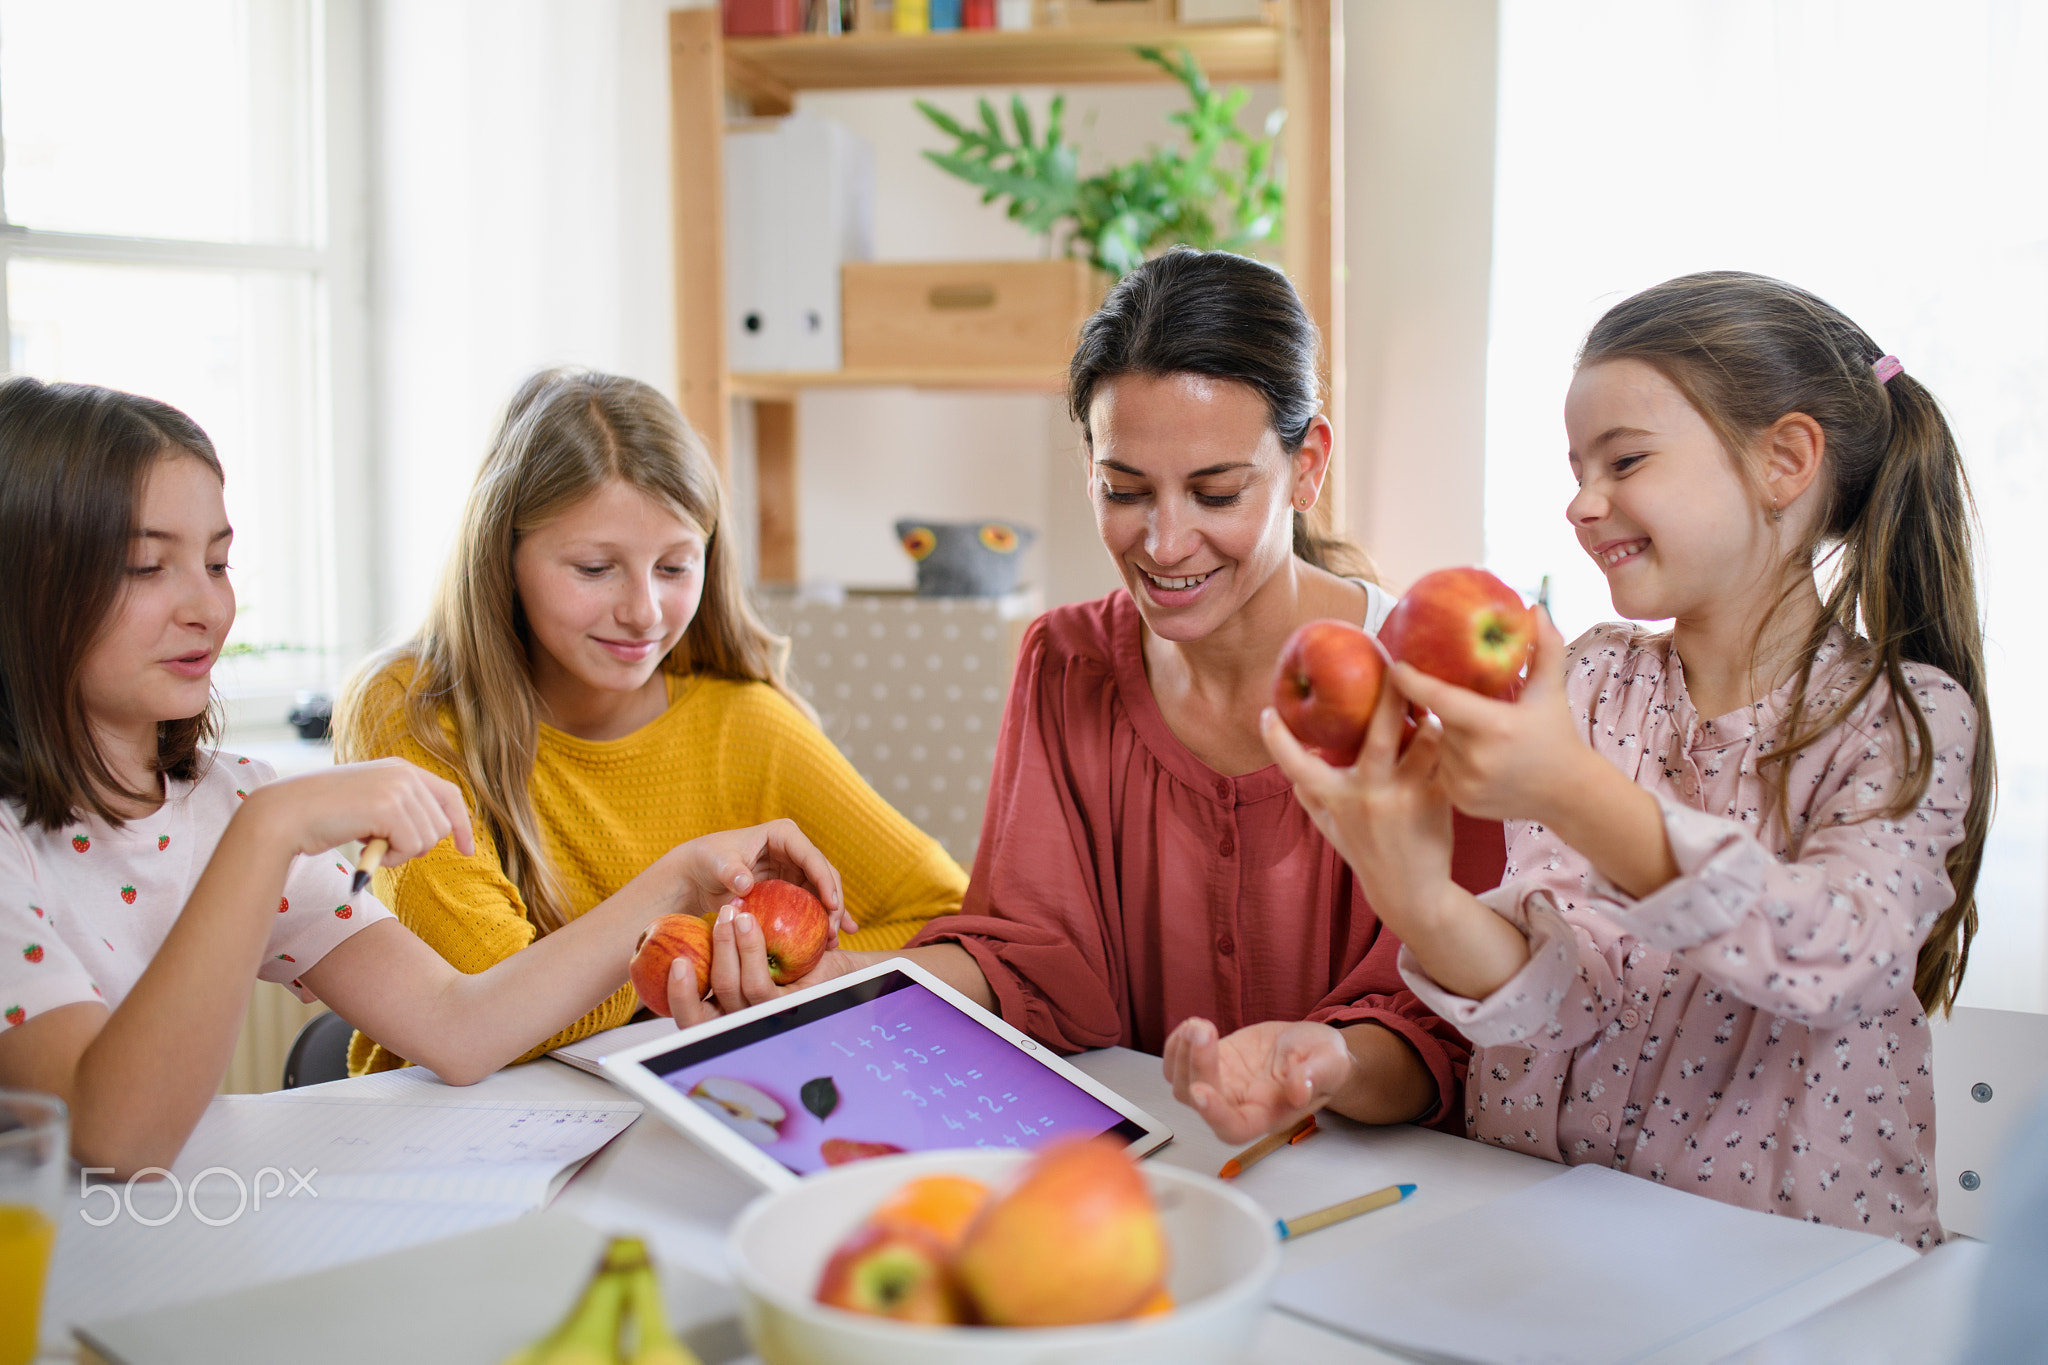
(1224, 1251)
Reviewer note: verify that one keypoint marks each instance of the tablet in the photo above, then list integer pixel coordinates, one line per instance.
(887, 1059)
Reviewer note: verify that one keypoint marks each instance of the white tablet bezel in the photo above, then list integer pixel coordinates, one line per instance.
(629, 1071)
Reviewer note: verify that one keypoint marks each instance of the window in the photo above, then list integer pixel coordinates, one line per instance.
(175, 220)
(1878, 154)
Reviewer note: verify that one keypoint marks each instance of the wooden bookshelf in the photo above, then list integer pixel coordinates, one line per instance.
(786, 384)
(769, 72)
(1302, 52)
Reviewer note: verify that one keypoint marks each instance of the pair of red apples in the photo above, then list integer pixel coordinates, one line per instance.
(1461, 625)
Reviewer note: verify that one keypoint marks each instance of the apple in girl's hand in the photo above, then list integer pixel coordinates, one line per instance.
(794, 927)
(893, 1271)
(1466, 627)
(661, 943)
(1076, 1240)
(1327, 686)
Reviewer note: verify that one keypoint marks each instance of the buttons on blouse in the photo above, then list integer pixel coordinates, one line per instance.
(1222, 789)
(1601, 1123)
(1226, 945)
(1629, 1017)
(1225, 847)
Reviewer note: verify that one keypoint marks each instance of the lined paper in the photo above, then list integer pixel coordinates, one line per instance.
(325, 1178)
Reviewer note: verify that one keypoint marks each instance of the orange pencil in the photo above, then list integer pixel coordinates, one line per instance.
(1266, 1146)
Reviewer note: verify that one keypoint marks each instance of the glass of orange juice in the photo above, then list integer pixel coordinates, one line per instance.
(35, 1152)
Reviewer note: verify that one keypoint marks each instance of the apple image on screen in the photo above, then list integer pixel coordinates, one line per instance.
(1466, 627)
(746, 1109)
(1326, 687)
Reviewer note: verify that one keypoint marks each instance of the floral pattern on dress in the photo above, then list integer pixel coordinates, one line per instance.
(1748, 1031)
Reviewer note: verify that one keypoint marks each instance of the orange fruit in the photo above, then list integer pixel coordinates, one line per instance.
(1159, 1305)
(941, 1205)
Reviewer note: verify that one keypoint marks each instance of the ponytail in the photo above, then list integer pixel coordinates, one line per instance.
(1895, 516)
(1907, 572)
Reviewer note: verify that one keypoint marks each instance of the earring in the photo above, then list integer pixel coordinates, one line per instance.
(1304, 503)
(1777, 514)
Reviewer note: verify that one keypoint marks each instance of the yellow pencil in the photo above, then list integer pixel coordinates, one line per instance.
(372, 859)
(1337, 1213)
(1265, 1147)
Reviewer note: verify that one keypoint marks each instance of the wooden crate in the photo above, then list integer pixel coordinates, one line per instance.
(972, 313)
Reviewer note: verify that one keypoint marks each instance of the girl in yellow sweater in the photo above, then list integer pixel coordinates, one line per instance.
(592, 678)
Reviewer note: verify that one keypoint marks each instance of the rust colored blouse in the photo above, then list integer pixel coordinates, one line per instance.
(1122, 885)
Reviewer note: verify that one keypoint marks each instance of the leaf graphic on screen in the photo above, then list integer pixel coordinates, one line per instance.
(821, 1097)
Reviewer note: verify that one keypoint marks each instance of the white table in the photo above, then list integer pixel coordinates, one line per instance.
(654, 1182)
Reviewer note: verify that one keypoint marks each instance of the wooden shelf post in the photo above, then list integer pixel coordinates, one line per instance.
(1311, 91)
(697, 192)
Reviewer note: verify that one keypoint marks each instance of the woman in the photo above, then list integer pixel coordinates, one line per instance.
(592, 678)
(1145, 876)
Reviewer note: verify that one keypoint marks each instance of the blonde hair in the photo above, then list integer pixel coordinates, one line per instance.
(565, 434)
(1894, 514)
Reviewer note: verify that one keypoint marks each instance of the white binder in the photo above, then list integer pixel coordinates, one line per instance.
(799, 201)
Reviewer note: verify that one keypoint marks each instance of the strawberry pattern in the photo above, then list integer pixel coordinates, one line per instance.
(1748, 1031)
(94, 892)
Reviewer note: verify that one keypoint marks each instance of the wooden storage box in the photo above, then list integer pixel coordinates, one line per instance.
(1007, 314)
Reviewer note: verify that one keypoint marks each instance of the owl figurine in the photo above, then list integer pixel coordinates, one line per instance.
(965, 558)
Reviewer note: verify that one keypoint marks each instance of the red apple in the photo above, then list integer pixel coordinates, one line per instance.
(893, 1271)
(1466, 627)
(794, 927)
(661, 943)
(1076, 1240)
(1327, 686)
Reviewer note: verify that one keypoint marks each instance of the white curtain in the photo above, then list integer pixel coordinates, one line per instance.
(1893, 158)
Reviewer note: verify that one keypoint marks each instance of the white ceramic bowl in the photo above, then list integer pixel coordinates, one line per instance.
(1224, 1256)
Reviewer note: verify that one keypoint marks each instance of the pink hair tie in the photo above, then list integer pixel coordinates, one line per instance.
(1887, 368)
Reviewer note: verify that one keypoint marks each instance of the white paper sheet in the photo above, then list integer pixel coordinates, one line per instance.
(1593, 1267)
(303, 1180)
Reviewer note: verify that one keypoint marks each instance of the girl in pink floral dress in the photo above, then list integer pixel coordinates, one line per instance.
(1742, 852)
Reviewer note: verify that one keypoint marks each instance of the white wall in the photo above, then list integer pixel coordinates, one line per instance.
(520, 218)
(1418, 245)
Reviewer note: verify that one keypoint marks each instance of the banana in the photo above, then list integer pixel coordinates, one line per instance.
(590, 1334)
(623, 1289)
(656, 1345)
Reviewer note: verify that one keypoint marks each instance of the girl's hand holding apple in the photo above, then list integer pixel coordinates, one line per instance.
(1507, 760)
(1386, 814)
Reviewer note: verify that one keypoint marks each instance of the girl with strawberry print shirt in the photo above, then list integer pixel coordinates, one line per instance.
(1741, 853)
(147, 881)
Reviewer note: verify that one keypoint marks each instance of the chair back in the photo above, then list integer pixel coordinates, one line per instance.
(320, 1052)
(1990, 1069)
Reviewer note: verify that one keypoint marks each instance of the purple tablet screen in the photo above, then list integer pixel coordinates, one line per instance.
(886, 1066)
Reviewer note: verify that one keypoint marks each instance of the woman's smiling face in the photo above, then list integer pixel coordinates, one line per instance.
(1193, 496)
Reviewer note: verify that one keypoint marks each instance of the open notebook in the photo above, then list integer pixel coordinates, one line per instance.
(304, 1180)
(1594, 1267)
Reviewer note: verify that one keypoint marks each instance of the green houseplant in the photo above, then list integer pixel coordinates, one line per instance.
(1221, 190)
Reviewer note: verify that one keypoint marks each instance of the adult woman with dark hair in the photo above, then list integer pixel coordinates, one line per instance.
(1145, 876)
